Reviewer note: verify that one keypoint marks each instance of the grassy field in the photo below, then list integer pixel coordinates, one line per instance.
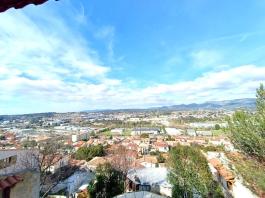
(127, 133)
(253, 172)
(107, 133)
(219, 132)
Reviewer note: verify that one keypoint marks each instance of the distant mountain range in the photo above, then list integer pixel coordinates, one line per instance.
(246, 103)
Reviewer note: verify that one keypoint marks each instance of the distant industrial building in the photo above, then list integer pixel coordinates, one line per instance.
(204, 133)
(139, 131)
(173, 131)
(191, 132)
(80, 136)
(117, 131)
(206, 125)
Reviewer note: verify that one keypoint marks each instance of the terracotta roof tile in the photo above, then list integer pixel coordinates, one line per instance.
(216, 163)
(10, 181)
(223, 171)
(226, 174)
(4, 184)
(160, 144)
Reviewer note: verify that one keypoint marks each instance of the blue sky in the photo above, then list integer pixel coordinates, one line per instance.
(78, 55)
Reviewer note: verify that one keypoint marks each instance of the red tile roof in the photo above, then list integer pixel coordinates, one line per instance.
(132, 146)
(131, 154)
(6, 4)
(223, 171)
(161, 144)
(10, 181)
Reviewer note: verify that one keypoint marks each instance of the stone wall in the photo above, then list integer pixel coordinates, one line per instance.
(28, 188)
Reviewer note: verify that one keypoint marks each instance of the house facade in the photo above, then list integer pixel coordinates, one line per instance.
(19, 175)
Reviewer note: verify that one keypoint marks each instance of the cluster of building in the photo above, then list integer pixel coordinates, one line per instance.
(138, 142)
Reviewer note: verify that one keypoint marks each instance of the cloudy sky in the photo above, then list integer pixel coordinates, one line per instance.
(74, 55)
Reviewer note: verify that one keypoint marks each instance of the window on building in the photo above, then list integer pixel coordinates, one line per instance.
(6, 162)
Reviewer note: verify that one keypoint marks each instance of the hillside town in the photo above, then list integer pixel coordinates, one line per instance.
(132, 99)
(138, 143)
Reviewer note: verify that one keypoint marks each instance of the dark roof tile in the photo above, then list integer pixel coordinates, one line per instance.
(9, 181)
(17, 4)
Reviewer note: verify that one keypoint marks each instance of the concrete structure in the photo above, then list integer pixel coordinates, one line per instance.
(74, 182)
(161, 146)
(140, 194)
(139, 131)
(117, 131)
(144, 148)
(59, 162)
(191, 132)
(206, 125)
(204, 133)
(19, 175)
(173, 131)
(149, 179)
(80, 136)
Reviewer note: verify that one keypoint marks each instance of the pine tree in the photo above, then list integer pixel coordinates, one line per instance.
(247, 130)
(190, 174)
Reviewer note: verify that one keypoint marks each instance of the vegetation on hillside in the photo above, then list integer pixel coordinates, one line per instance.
(219, 148)
(247, 133)
(29, 143)
(252, 171)
(247, 130)
(109, 182)
(217, 127)
(87, 153)
(128, 124)
(160, 158)
(144, 135)
(190, 173)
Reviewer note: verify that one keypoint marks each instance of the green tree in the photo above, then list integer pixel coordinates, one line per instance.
(92, 134)
(260, 102)
(160, 158)
(109, 182)
(247, 130)
(170, 138)
(154, 152)
(190, 173)
(29, 144)
(2, 137)
(217, 127)
(144, 135)
(87, 153)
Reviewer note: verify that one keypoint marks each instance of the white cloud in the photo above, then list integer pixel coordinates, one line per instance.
(234, 83)
(107, 33)
(48, 66)
(32, 49)
(206, 58)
